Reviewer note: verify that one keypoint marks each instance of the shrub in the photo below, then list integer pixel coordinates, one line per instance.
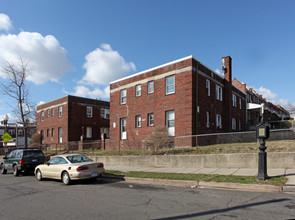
(158, 139)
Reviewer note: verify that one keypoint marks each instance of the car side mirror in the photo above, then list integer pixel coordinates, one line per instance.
(47, 163)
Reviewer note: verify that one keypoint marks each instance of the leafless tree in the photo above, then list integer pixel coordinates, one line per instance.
(15, 87)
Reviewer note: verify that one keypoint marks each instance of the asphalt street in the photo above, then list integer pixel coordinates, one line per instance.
(24, 197)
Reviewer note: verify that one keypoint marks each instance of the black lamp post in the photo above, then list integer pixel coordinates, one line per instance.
(262, 133)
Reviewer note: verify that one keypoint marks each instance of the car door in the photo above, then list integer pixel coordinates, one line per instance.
(10, 160)
(50, 167)
(61, 166)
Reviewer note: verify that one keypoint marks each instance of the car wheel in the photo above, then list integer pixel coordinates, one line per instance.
(15, 170)
(3, 170)
(39, 175)
(65, 177)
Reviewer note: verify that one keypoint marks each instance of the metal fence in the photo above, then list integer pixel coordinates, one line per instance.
(277, 137)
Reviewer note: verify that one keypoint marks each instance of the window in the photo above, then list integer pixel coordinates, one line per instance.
(42, 136)
(123, 128)
(105, 133)
(170, 122)
(47, 133)
(59, 135)
(89, 111)
(170, 85)
(20, 132)
(88, 132)
(240, 125)
(48, 113)
(138, 90)
(1, 132)
(218, 93)
(123, 96)
(208, 87)
(137, 121)
(234, 124)
(240, 103)
(207, 120)
(53, 112)
(150, 87)
(218, 122)
(151, 119)
(234, 100)
(11, 131)
(59, 111)
(42, 115)
(105, 113)
(52, 132)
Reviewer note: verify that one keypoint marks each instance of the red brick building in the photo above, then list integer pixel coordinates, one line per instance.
(68, 118)
(184, 95)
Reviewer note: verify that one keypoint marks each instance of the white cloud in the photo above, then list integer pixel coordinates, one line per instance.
(218, 71)
(11, 119)
(5, 22)
(273, 98)
(104, 65)
(47, 59)
(41, 103)
(96, 93)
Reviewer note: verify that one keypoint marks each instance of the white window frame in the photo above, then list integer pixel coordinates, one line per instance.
(123, 128)
(59, 135)
(88, 132)
(151, 119)
(208, 87)
(218, 121)
(138, 90)
(171, 85)
(123, 96)
(234, 100)
(105, 113)
(151, 89)
(207, 119)
(2, 131)
(138, 121)
(42, 115)
(48, 113)
(218, 92)
(170, 122)
(53, 111)
(89, 112)
(234, 124)
(59, 111)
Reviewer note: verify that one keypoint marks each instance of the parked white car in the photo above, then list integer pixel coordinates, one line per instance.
(69, 167)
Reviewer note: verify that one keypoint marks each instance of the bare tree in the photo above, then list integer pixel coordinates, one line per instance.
(16, 88)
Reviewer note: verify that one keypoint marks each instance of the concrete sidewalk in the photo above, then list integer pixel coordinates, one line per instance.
(289, 173)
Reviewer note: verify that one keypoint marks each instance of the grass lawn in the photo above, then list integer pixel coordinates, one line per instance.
(278, 181)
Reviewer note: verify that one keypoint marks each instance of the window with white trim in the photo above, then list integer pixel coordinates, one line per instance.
(1, 132)
(234, 124)
(150, 87)
(53, 111)
(48, 113)
(138, 90)
(234, 100)
(89, 112)
(170, 85)
(207, 120)
(208, 87)
(151, 119)
(42, 115)
(105, 113)
(123, 96)
(60, 111)
(170, 122)
(123, 128)
(137, 121)
(88, 132)
(218, 121)
(218, 93)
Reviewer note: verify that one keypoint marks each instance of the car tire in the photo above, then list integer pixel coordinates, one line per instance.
(65, 177)
(39, 175)
(15, 170)
(3, 170)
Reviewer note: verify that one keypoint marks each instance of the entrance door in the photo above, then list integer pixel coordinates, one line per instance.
(123, 124)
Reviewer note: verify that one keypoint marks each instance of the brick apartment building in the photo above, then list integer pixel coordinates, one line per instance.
(188, 98)
(69, 118)
(184, 95)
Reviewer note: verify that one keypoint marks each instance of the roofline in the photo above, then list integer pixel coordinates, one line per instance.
(163, 65)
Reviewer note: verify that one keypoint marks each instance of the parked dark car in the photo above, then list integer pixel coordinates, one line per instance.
(22, 160)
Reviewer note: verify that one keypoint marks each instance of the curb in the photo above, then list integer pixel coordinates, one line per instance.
(202, 184)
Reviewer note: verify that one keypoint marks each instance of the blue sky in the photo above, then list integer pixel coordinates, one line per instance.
(78, 47)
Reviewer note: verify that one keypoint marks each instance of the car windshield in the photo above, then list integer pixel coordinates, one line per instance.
(33, 153)
(78, 158)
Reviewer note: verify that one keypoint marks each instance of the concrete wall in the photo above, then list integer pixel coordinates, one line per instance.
(246, 160)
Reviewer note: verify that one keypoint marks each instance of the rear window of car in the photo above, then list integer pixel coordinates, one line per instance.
(78, 158)
(32, 153)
